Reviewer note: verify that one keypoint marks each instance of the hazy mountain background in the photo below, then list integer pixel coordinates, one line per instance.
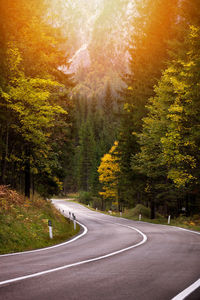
(97, 33)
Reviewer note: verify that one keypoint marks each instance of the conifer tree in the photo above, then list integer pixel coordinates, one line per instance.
(170, 138)
(86, 154)
(148, 50)
(108, 102)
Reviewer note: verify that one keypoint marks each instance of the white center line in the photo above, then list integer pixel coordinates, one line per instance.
(144, 239)
(188, 291)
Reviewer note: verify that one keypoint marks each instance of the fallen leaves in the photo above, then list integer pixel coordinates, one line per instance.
(9, 197)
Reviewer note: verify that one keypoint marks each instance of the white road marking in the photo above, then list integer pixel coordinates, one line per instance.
(180, 296)
(184, 229)
(188, 291)
(80, 262)
(85, 230)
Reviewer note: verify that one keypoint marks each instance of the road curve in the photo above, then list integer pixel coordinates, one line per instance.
(116, 259)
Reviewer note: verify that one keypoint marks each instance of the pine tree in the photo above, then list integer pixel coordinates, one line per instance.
(170, 139)
(108, 102)
(86, 157)
(148, 52)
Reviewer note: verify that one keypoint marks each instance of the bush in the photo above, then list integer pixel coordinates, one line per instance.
(196, 218)
(85, 197)
(96, 202)
(140, 209)
(24, 223)
(9, 198)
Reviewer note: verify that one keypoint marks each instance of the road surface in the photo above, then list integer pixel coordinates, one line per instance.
(114, 259)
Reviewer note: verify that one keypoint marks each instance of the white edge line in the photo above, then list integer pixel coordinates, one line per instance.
(169, 226)
(85, 230)
(180, 296)
(176, 227)
(184, 229)
(80, 262)
(187, 291)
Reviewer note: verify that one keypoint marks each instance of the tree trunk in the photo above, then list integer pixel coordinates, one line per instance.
(33, 186)
(4, 157)
(187, 212)
(152, 206)
(27, 174)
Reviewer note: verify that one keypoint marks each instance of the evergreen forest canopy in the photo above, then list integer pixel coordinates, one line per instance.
(102, 98)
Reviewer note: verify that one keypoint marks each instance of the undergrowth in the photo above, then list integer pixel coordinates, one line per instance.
(192, 223)
(24, 223)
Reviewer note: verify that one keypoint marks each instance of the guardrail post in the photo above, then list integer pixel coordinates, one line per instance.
(169, 219)
(74, 220)
(50, 229)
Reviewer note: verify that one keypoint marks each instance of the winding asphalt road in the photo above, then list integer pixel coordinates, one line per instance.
(113, 259)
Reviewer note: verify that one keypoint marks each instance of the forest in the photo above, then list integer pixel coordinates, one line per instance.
(102, 99)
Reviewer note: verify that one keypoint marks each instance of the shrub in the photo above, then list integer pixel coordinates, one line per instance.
(140, 209)
(96, 202)
(85, 197)
(9, 198)
(196, 218)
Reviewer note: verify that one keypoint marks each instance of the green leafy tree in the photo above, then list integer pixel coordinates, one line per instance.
(31, 89)
(170, 140)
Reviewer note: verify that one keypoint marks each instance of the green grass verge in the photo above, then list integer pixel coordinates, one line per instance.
(192, 223)
(183, 222)
(25, 227)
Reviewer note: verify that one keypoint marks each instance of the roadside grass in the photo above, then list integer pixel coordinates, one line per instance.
(192, 223)
(182, 221)
(24, 225)
(73, 195)
(63, 197)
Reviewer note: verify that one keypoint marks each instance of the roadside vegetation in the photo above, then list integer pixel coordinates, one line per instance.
(24, 223)
(120, 125)
(192, 222)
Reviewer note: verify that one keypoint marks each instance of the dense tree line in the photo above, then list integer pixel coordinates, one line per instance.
(138, 146)
(95, 129)
(159, 137)
(34, 103)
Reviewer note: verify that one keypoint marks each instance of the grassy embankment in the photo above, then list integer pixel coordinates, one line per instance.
(24, 223)
(192, 223)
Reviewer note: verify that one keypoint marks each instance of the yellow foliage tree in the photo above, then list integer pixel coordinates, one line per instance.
(109, 170)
